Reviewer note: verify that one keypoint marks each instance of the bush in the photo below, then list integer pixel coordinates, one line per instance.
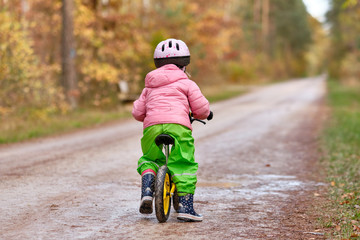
(24, 83)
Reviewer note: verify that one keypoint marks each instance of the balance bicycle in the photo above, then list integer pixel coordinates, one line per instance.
(165, 188)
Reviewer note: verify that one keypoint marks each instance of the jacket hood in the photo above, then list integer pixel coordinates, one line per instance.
(165, 75)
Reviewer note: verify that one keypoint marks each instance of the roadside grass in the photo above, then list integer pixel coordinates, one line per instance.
(28, 126)
(223, 92)
(19, 128)
(341, 143)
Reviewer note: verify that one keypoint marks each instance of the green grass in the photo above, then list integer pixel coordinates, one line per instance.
(341, 142)
(223, 92)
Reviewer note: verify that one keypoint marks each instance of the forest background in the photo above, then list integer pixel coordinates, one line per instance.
(61, 57)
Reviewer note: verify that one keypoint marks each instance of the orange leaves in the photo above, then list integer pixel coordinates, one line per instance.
(350, 195)
(100, 72)
(344, 202)
(356, 229)
(210, 24)
(347, 197)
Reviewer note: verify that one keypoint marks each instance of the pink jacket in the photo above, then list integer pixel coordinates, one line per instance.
(167, 98)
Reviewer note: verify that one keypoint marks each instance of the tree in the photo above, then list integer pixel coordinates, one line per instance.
(25, 87)
(344, 17)
(69, 80)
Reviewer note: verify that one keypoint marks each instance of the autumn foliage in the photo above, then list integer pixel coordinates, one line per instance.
(344, 59)
(26, 84)
(229, 40)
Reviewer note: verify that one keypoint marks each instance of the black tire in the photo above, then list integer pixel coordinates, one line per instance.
(176, 201)
(162, 206)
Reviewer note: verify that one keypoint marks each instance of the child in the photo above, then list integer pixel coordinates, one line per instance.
(164, 106)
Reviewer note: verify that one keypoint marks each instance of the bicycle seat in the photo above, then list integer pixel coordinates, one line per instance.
(164, 139)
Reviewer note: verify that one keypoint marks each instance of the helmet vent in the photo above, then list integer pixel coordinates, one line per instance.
(170, 44)
(163, 47)
(177, 46)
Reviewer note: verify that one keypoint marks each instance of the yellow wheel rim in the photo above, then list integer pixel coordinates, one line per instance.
(166, 195)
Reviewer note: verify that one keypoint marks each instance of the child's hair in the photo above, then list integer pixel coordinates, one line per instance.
(172, 51)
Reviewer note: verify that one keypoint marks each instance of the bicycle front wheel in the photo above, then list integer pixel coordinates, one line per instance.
(162, 194)
(176, 201)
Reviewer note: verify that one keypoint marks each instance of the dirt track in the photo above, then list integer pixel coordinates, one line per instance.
(257, 175)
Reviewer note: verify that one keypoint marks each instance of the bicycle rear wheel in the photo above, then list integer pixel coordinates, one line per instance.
(162, 194)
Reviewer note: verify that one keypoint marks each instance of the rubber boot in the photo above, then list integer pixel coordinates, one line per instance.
(186, 209)
(147, 190)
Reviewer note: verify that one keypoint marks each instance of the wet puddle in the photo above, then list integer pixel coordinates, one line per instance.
(218, 184)
(255, 186)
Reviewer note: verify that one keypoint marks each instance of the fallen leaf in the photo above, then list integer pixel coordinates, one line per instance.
(333, 183)
(348, 195)
(356, 228)
(54, 207)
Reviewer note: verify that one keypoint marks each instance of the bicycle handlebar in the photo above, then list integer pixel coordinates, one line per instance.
(192, 119)
(195, 119)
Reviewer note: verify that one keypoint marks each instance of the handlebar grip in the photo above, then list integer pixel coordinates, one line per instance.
(211, 115)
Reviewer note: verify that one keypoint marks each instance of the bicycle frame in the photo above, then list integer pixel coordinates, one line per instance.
(167, 154)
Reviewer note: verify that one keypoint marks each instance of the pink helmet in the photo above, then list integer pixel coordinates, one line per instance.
(171, 51)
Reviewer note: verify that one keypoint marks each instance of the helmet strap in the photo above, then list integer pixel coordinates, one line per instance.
(183, 68)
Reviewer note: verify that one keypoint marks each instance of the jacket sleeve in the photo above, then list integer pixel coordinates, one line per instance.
(139, 108)
(199, 105)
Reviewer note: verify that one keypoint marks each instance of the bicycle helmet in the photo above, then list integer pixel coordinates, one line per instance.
(171, 51)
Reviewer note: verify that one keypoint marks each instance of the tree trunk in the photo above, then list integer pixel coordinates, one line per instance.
(69, 80)
(256, 11)
(257, 22)
(265, 24)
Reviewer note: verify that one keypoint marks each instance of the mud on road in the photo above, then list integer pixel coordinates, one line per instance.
(258, 175)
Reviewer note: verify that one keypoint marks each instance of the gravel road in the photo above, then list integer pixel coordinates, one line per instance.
(258, 175)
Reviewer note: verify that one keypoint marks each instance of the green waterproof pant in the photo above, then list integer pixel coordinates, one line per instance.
(181, 163)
